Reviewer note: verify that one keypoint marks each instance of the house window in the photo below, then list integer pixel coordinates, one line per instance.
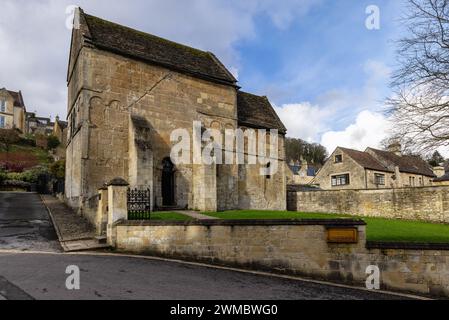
(421, 182)
(379, 179)
(338, 158)
(2, 106)
(340, 180)
(412, 181)
(2, 122)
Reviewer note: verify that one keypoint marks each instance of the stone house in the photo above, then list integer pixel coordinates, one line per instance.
(38, 125)
(12, 110)
(373, 169)
(60, 130)
(127, 92)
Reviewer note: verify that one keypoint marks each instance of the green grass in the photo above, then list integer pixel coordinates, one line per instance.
(169, 216)
(378, 229)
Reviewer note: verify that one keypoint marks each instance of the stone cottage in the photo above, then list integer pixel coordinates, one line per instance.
(128, 91)
(38, 125)
(373, 169)
(12, 110)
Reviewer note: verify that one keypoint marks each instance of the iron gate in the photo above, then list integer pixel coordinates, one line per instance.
(139, 204)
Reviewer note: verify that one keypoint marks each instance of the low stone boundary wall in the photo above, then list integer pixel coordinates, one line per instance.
(292, 247)
(426, 203)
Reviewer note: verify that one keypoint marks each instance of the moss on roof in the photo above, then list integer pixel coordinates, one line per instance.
(127, 41)
(255, 111)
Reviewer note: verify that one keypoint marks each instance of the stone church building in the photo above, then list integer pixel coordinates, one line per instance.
(128, 91)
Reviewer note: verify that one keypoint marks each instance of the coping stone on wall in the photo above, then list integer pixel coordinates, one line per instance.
(406, 246)
(305, 222)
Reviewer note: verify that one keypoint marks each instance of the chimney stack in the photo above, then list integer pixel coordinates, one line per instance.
(395, 148)
(439, 171)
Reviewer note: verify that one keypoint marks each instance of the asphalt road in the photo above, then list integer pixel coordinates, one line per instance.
(25, 226)
(42, 276)
(25, 223)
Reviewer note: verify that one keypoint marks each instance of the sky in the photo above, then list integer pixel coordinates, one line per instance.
(324, 71)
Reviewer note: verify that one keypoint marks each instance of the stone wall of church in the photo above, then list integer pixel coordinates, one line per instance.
(106, 90)
(112, 89)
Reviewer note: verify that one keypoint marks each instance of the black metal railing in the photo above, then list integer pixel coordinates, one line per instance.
(139, 204)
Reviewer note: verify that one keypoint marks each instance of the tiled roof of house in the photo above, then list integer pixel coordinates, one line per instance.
(257, 112)
(407, 164)
(122, 40)
(365, 160)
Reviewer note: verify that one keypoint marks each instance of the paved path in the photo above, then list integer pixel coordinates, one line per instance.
(195, 215)
(75, 233)
(25, 223)
(42, 276)
(70, 226)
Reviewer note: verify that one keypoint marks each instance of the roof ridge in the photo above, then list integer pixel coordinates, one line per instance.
(143, 33)
(141, 45)
(366, 154)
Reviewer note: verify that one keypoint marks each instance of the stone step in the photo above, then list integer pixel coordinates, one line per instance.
(83, 245)
(101, 239)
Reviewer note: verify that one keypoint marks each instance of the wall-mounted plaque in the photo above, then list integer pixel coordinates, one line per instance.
(342, 235)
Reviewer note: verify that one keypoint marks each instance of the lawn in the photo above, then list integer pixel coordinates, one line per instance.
(378, 229)
(172, 216)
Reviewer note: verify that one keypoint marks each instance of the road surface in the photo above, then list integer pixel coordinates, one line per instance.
(25, 226)
(25, 223)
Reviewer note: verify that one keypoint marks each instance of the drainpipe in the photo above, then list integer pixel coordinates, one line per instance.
(366, 179)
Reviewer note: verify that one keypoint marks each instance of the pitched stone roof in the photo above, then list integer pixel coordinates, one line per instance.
(365, 160)
(122, 40)
(257, 112)
(407, 164)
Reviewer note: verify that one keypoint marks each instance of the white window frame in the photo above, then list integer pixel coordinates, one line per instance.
(2, 122)
(379, 179)
(2, 105)
(339, 179)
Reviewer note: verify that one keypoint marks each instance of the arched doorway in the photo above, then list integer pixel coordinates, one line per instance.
(168, 182)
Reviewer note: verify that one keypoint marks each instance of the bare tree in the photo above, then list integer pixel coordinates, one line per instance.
(420, 105)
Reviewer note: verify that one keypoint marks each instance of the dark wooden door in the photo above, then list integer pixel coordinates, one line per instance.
(168, 183)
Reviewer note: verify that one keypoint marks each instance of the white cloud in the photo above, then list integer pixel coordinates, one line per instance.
(34, 40)
(304, 120)
(356, 112)
(368, 130)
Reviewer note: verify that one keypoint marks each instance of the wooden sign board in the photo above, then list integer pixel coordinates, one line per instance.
(342, 235)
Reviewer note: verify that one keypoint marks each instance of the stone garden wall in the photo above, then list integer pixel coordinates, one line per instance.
(427, 203)
(292, 247)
